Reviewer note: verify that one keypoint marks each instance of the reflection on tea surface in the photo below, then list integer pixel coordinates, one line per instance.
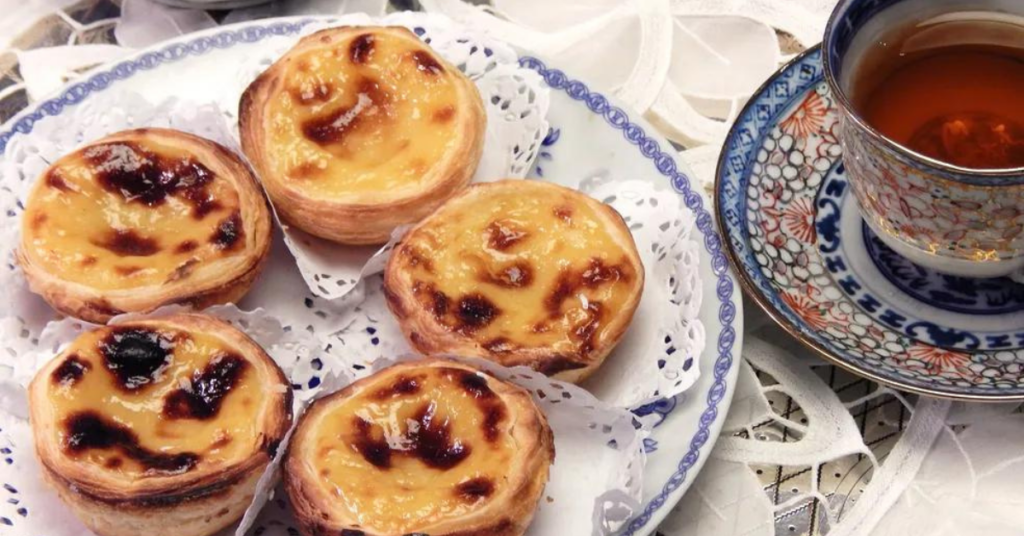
(951, 88)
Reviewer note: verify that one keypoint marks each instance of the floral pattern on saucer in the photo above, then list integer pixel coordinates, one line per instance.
(780, 210)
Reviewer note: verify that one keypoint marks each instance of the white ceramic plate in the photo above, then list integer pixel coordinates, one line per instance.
(595, 136)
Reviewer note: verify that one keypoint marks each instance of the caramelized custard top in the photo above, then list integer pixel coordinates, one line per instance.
(414, 448)
(360, 115)
(127, 214)
(145, 401)
(525, 265)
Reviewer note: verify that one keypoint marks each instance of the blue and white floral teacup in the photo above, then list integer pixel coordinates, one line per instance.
(951, 219)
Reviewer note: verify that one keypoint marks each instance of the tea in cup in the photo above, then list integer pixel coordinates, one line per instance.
(931, 101)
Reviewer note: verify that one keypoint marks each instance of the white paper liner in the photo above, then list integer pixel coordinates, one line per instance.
(39, 510)
(280, 288)
(515, 99)
(658, 355)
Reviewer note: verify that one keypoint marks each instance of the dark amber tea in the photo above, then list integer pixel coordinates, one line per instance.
(951, 88)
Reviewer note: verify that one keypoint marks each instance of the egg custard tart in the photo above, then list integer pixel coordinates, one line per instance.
(143, 218)
(520, 272)
(159, 427)
(429, 447)
(357, 130)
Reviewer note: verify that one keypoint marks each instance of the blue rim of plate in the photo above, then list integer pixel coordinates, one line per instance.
(766, 107)
(615, 116)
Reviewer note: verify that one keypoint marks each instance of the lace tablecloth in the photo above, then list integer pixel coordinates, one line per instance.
(807, 448)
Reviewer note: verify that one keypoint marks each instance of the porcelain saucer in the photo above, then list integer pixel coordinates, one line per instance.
(805, 255)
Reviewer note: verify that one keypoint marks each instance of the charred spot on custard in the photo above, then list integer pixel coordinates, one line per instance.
(202, 399)
(374, 450)
(229, 232)
(203, 202)
(563, 213)
(402, 386)
(70, 371)
(431, 298)
(475, 311)
(429, 441)
(88, 260)
(495, 414)
(444, 114)
(473, 383)
(475, 489)
(135, 355)
(597, 273)
(371, 107)
(503, 234)
(139, 175)
(585, 331)
(187, 246)
(361, 48)
(89, 430)
(490, 405)
(516, 275)
(128, 243)
(432, 442)
(55, 180)
(425, 63)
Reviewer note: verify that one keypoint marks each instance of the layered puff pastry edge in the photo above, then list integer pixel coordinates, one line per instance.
(160, 426)
(357, 130)
(520, 272)
(144, 218)
(429, 447)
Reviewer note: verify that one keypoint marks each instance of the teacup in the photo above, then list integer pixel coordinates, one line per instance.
(951, 219)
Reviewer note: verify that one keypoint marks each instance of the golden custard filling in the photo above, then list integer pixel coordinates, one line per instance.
(523, 268)
(145, 401)
(361, 116)
(126, 214)
(415, 449)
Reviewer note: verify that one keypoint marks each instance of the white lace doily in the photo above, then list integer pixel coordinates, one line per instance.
(515, 99)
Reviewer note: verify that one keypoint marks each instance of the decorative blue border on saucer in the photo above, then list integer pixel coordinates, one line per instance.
(831, 202)
(556, 79)
(775, 98)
